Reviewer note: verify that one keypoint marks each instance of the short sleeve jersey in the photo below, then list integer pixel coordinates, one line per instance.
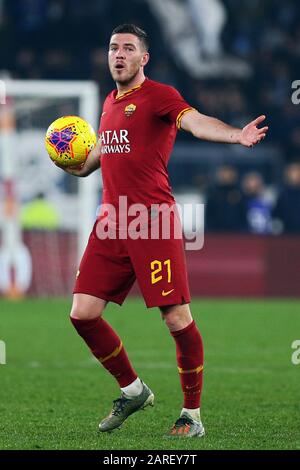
(138, 130)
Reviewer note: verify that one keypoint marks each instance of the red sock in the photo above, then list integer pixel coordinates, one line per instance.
(107, 347)
(189, 353)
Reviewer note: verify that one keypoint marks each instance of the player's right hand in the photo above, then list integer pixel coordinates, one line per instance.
(91, 164)
(76, 170)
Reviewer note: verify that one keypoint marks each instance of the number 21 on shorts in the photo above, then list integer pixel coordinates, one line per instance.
(159, 269)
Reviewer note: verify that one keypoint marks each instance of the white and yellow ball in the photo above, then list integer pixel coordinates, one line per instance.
(69, 140)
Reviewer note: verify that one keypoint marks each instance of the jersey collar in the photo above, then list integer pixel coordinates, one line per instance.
(129, 92)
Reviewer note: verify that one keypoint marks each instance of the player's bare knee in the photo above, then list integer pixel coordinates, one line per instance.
(176, 317)
(86, 308)
(80, 313)
(171, 321)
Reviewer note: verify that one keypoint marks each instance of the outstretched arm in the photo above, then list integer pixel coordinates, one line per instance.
(91, 164)
(212, 129)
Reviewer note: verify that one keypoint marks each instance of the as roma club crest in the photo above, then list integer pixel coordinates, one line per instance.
(129, 110)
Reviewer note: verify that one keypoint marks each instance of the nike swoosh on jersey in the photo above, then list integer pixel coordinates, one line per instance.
(163, 293)
(104, 112)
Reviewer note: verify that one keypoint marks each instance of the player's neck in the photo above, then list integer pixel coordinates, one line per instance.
(124, 88)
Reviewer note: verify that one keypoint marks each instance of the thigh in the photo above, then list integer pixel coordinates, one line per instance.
(105, 270)
(160, 269)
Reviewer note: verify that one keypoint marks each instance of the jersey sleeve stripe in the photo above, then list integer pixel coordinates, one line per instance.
(180, 116)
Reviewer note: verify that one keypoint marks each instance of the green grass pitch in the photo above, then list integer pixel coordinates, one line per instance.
(53, 394)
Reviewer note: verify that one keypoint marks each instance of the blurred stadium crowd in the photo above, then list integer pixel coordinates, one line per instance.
(67, 39)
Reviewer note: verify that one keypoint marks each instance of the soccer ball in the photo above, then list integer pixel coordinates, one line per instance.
(69, 140)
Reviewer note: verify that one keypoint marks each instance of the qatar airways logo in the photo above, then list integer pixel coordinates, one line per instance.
(115, 141)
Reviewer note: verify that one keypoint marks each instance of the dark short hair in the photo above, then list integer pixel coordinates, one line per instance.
(129, 28)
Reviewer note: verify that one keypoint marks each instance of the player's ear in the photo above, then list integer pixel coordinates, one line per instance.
(145, 59)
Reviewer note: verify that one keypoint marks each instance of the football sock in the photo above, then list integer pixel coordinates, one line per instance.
(134, 389)
(189, 353)
(107, 347)
(194, 414)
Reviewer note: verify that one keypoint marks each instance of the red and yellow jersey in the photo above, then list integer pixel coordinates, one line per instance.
(138, 130)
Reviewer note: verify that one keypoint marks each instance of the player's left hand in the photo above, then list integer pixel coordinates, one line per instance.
(251, 134)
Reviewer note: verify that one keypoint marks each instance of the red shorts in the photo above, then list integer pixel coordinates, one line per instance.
(109, 268)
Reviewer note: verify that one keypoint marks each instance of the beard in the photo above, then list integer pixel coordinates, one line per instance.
(126, 79)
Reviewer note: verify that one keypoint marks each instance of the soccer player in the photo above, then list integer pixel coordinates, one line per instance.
(137, 130)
